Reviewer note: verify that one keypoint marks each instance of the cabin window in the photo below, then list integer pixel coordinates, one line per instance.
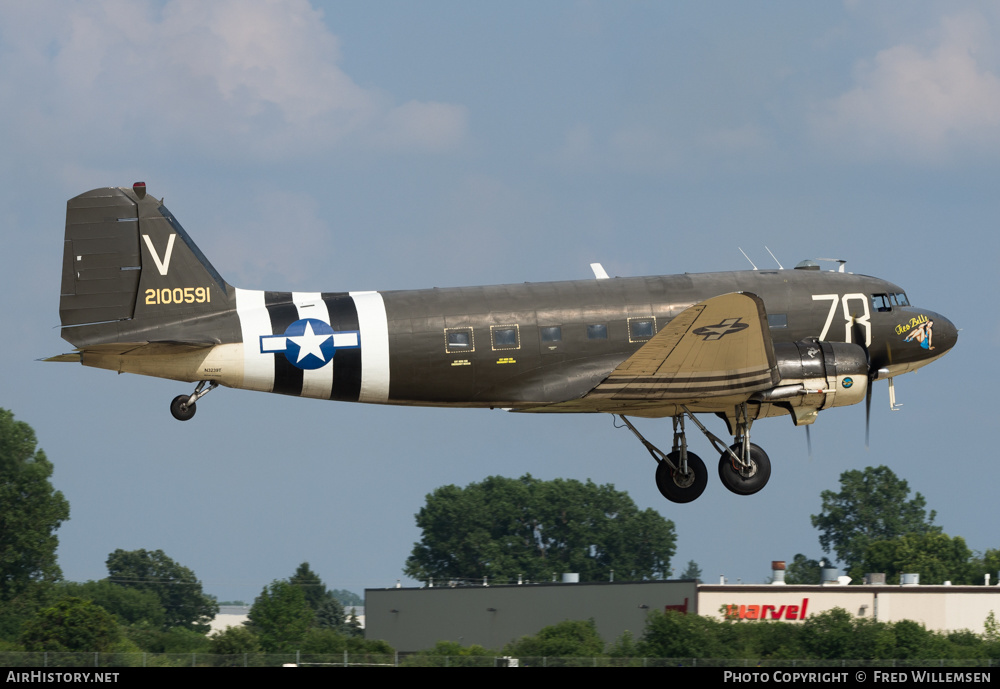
(597, 332)
(551, 333)
(881, 302)
(641, 329)
(777, 320)
(458, 340)
(505, 337)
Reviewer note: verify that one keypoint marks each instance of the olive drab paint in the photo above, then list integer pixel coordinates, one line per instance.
(138, 296)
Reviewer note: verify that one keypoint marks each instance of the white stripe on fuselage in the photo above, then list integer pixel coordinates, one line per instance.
(258, 367)
(316, 382)
(374, 327)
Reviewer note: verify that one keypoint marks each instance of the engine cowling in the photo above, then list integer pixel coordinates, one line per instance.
(815, 375)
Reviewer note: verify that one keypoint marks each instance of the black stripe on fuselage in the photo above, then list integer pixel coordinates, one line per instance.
(346, 362)
(282, 312)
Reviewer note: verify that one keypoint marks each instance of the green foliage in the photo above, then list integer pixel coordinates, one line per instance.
(672, 634)
(987, 563)
(451, 654)
(30, 511)
(280, 617)
(625, 646)
(312, 586)
(72, 624)
(936, 556)
(803, 571)
(177, 588)
(693, 571)
(503, 527)
(872, 505)
(129, 605)
(173, 640)
(353, 625)
(569, 638)
(347, 598)
(323, 640)
(331, 615)
(234, 641)
(16, 612)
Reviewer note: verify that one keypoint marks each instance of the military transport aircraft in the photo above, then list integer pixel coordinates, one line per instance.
(138, 296)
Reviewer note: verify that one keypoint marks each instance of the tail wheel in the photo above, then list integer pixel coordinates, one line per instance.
(678, 487)
(180, 408)
(745, 480)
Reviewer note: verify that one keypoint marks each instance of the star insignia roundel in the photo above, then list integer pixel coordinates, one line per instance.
(309, 343)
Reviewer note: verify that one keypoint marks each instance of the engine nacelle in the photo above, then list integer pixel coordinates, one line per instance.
(815, 375)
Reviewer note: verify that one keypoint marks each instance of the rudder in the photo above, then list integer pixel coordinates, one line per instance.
(131, 273)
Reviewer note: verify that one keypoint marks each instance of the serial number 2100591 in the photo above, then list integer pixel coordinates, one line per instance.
(178, 295)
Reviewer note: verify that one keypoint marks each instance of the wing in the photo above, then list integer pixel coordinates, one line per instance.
(715, 353)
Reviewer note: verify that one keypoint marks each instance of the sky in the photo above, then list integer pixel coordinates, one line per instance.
(393, 145)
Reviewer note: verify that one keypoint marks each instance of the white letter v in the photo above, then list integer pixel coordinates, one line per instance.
(163, 265)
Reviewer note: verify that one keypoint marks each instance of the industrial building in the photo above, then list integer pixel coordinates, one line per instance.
(412, 619)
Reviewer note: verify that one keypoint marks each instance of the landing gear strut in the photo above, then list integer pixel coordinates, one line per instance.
(183, 407)
(744, 467)
(681, 476)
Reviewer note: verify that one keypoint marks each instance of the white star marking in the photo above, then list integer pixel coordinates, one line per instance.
(309, 343)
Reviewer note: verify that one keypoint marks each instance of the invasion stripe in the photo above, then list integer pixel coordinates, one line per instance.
(317, 382)
(258, 368)
(282, 312)
(346, 362)
(374, 347)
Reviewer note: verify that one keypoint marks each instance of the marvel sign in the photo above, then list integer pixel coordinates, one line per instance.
(767, 612)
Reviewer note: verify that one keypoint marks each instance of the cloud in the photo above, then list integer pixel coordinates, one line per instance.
(924, 105)
(258, 76)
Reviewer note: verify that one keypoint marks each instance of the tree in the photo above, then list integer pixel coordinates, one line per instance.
(331, 615)
(569, 638)
(347, 598)
(280, 617)
(72, 624)
(872, 505)
(234, 641)
(937, 557)
(30, 511)
(503, 528)
(985, 563)
(804, 570)
(312, 586)
(693, 571)
(176, 586)
(130, 606)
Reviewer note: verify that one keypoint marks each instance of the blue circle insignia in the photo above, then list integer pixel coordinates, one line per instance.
(309, 344)
(848, 382)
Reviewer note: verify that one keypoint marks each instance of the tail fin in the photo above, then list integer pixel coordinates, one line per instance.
(132, 274)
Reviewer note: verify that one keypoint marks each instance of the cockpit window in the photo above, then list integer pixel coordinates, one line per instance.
(901, 298)
(881, 302)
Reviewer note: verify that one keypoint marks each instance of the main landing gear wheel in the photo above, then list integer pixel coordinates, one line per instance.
(750, 479)
(678, 487)
(180, 408)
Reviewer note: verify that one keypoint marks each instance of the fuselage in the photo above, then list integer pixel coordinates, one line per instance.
(521, 346)
(139, 296)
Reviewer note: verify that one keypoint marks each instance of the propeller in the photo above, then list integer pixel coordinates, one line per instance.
(858, 336)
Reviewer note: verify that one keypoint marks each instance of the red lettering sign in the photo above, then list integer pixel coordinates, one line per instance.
(759, 612)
